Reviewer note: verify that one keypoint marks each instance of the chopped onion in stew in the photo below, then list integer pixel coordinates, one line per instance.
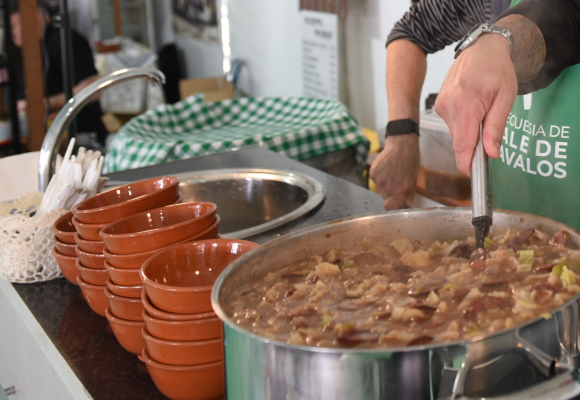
(406, 294)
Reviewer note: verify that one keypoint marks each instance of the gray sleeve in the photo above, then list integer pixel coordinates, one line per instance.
(434, 24)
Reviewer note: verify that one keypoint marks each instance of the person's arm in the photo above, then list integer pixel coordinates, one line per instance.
(396, 169)
(482, 84)
(420, 32)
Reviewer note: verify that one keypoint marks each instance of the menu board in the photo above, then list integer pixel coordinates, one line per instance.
(320, 59)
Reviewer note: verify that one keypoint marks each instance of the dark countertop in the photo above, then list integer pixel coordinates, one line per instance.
(85, 340)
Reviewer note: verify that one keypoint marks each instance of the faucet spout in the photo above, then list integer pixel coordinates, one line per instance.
(53, 138)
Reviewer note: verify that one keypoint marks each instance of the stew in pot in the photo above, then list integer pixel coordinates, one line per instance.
(406, 294)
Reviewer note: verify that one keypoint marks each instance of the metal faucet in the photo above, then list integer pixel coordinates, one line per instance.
(53, 138)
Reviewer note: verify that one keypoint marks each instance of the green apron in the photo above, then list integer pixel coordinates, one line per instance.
(538, 171)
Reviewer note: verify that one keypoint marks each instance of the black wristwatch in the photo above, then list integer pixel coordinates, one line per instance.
(402, 127)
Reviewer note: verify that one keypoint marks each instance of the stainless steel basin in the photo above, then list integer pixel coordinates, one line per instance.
(252, 201)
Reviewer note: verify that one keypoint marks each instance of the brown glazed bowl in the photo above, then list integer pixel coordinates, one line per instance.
(128, 333)
(160, 314)
(120, 202)
(91, 260)
(90, 246)
(136, 260)
(195, 329)
(124, 276)
(63, 229)
(183, 353)
(88, 231)
(179, 279)
(67, 266)
(125, 307)
(94, 295)
(125, 291)
(66, 249)
(192, 382)
(155, 229)
(93, 276)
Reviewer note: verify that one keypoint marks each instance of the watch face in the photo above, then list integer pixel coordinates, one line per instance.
(465, 40)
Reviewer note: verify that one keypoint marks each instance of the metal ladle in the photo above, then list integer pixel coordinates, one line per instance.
(481, 199)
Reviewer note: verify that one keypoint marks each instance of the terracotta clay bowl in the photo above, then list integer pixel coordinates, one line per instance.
(93, 276)
(124, 276)
(128, 333)
(91, 260)
(136, 260)
(155, 229)
(192, 382)
(120, 202)
(67, 266)
(179, 279)
(90, 246)
(125, 307)
(125, 291)
(63, 229)
(195, 329)
(160, 314)
(173, 352)
(88, 231)
(66, 249)
(94, 295)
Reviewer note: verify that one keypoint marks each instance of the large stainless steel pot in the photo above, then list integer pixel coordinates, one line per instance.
(537, 360)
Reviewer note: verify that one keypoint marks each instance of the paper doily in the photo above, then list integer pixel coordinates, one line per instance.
(25, 204)
(26, 247)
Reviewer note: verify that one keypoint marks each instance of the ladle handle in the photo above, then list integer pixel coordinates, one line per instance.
(481, 199)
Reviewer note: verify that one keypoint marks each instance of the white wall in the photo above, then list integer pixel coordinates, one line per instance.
(200, 59)
(267, 35)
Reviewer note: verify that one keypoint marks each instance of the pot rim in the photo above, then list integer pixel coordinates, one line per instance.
(172, 181)
(147, 316)
(108, 266)
(150, 253)
(68, 258)
(76, 222)
(57, 231)
(88, 254)
(61, 243)
(177, 343)
(188, 289)
(121, 299)
(164, 229)
(78, 238)
(123, 287)
(89, 286)
(174, 317)
(79, 265)
(434, 211)
(179, 368)
(120, 321)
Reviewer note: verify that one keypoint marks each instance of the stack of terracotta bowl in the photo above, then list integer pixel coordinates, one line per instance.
(130, 242)
(95, 213)
(183, 337)
(64, 247)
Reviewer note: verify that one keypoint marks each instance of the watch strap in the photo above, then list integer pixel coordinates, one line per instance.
(402, 127)
(477, 31)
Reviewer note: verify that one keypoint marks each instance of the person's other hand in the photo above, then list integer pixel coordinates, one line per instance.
(396, 169)
(480, 86)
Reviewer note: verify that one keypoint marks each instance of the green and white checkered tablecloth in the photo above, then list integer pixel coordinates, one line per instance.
(299, 128)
